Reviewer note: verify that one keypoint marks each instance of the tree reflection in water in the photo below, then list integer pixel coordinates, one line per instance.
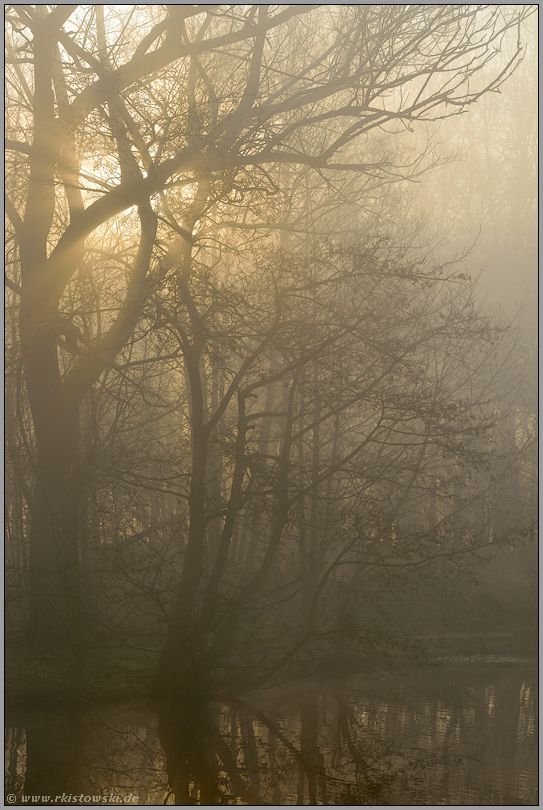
(446, 736)
(53, 757)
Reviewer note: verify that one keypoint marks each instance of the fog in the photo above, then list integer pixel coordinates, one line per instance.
(487, 197)
(271, 439)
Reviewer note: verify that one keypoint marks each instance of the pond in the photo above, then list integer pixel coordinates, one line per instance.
(452, 734)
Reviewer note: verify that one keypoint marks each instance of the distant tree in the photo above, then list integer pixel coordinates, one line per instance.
(353, 411)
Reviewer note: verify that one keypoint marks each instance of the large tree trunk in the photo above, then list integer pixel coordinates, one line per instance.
(53, 547)
(53, 555)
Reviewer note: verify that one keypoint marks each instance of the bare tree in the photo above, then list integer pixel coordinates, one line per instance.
(150, 125)
(356, 394)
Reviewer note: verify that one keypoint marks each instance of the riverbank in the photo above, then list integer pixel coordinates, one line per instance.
(127, 671)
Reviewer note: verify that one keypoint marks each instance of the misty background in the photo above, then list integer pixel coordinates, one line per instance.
(271, 401)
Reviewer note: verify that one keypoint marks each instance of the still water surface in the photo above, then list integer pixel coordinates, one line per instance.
(448, 735)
